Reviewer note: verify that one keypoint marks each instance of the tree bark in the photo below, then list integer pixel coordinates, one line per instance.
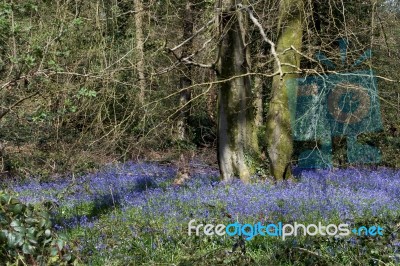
(107, 6)
(258, 101)
(235, 113)
(186, 78)
(280, 143)
(139, 40)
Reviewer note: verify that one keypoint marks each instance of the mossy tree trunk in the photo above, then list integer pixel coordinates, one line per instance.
(280, 142)
(258, 101)
(236, 141)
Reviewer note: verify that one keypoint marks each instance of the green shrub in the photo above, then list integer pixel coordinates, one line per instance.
(27, 238)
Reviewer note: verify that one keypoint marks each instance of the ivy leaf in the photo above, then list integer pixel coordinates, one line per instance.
(17, 208)
(19, 239)
(11, 239)
(27, 249)
(31, 220)
(20, 229)
(54, 251)
(60, 244)
(15, 223)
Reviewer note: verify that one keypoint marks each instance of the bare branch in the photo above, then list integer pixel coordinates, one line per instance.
(8, 109)
(194, 35)
(266, 39)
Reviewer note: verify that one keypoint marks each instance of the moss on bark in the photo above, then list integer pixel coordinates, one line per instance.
(280, 143)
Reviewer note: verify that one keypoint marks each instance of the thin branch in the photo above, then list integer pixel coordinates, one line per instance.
(214, 82)
(266, 39)
(8, 109)
(189, 62)
(191, 37)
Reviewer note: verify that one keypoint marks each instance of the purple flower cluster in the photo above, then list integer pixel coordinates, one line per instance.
(342, 194)
(108, 183)
(347, 193)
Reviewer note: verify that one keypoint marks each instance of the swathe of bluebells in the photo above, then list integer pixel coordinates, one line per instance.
(110, 181)
(347, 194)
(344, 194)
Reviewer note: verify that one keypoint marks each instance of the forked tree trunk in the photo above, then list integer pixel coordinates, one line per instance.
(235, 113)
(139, 40)
(280, 143)
(186, 78)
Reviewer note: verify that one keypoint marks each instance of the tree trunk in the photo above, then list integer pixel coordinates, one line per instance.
(186, 78)
(258, 101)
(108, 7)
(235, 113)
(139, 40)
(280, 143)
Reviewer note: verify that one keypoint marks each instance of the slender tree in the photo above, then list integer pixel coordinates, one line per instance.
(185, 80)
(139, 41)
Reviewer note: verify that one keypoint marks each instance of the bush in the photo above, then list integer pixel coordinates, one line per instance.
(26, 235)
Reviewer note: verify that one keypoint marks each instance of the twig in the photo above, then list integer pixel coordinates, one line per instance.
(266, 39)
(8, 109)
(191, 37)
(308, 251)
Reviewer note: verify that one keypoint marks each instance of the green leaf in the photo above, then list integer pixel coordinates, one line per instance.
(31, 220)
(11, 239)
(39, 234)
(42, 222)
(17, 208)
(3, 235)
(27, 248)
(13, 201)
(20, 229)
(67, 257)
(4, 199)
(60, 244)
(19, 239)
(77, 21)
(15, 223)
(31, 231)
(54, 251)
(33, 241)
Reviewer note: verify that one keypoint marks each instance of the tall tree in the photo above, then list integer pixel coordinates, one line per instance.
(139, 40)
(235, 112)
(185, 80)
(280, 143)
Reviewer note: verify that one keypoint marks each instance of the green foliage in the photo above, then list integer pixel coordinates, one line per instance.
(27, 237)
(84, 92)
